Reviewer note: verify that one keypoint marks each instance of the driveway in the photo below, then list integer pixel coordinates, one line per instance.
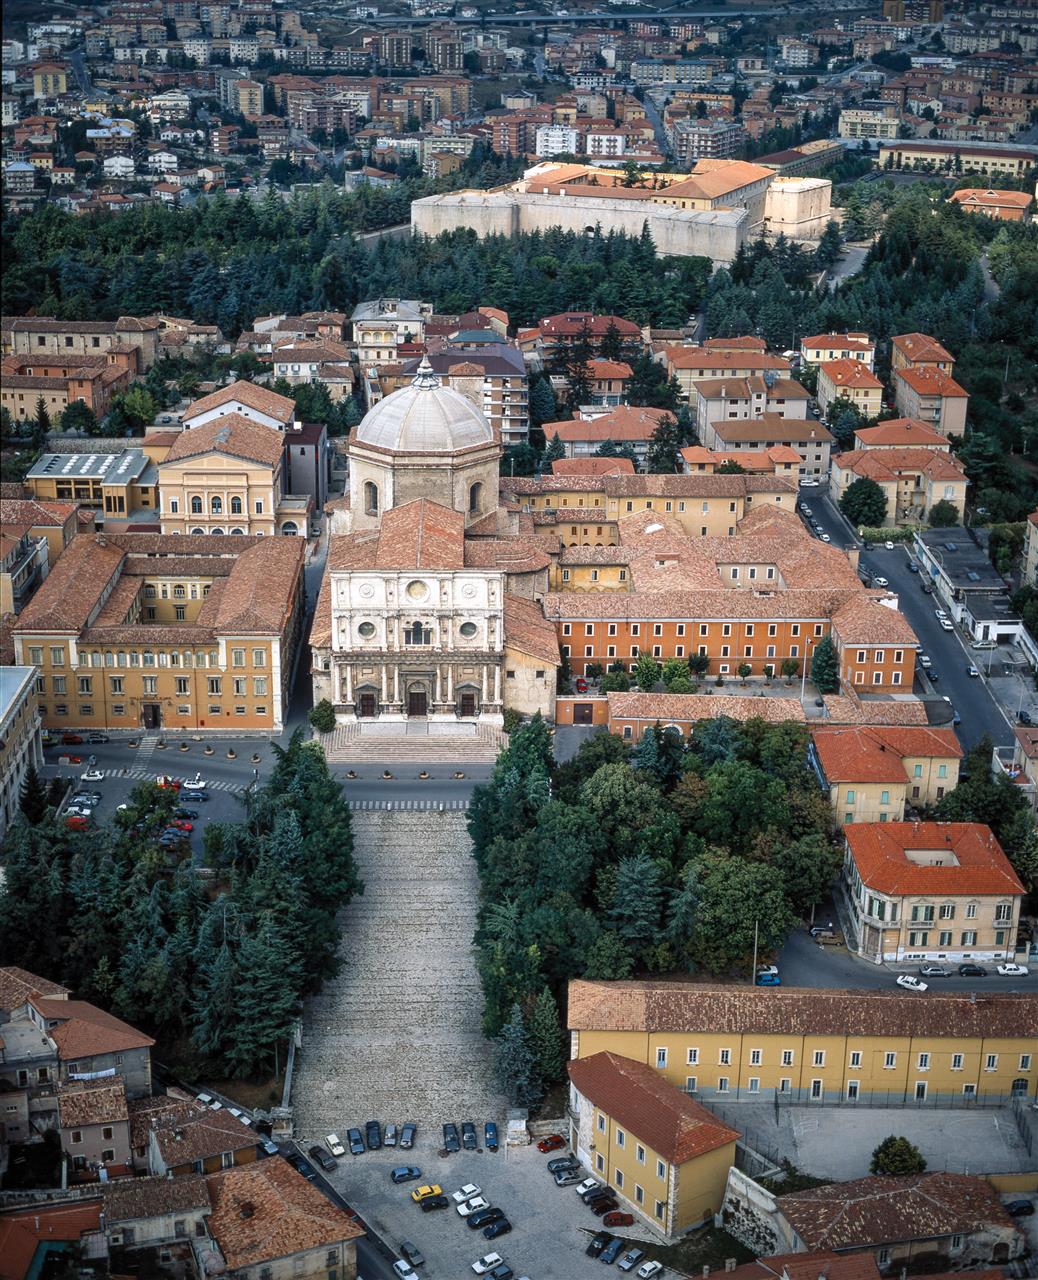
(396, 1036)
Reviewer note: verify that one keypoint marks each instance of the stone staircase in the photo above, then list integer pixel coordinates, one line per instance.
(397, 1035)
(347, 743)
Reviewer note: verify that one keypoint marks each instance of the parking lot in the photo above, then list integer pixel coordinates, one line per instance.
(551, 1225)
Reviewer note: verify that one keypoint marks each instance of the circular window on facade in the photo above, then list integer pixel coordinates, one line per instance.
(366, 589)
(417, 590)
(468, 629)
(366, 629)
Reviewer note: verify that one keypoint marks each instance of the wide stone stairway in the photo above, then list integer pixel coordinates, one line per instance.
(349, 744)
(397, 1035)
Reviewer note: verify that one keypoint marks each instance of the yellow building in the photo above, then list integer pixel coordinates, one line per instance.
(940, 891)
(813, 1043)
(873, 773)
(913, 480)
(666, 1155)
(20, 740)
(850, 380)
(49, 80)
(32, 537)
(964, 157)
(823, 347)
(226, 476)
(138, 630)
(118, 484)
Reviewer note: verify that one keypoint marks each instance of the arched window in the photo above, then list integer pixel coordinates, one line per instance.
(417, 634)
(236, 506)
(290, 528)
(237, 531)
(370, 498)
(196, 506)
(220, 531)
(217, 506)
(475, 497)
(198, 531)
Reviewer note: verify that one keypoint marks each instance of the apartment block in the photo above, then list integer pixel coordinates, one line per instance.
(21, 744)
(932, 397)
(849, 379)
(824, 348)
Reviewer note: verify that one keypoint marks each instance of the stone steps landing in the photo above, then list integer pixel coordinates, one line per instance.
(347, 744)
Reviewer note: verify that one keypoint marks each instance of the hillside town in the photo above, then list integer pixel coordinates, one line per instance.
(519, 641)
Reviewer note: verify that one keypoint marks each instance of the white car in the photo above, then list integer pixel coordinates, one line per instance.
(809, 483)
(924, 660)
(939, 614)
(889, 546)
(767, 969)
(334, 1145)
(911, 983)
(650, 1269)
(216, 1105)
(403, 1269)
(825, 537)
(466, 1193)
(880, 582)
(946, 624)
(487, 1263)
(971, 670)
(197, 783)
(587, 1185)
(1013, 970)
(471, 1206)
(92, 775)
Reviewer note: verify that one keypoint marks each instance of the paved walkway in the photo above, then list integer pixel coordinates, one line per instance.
(397, 1035)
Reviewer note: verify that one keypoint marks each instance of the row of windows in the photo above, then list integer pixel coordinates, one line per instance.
(118, 709)
(726, 652)
(197, 506)
(148, 658)
(704, 630)
(817, 1091)
(149, 684)
(818, 1056)
(967, 938)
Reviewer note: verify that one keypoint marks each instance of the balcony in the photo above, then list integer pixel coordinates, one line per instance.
(1005, 760)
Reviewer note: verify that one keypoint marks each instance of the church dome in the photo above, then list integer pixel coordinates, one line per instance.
(425, 417)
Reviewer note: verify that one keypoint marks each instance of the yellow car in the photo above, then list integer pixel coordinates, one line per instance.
(423, 1193)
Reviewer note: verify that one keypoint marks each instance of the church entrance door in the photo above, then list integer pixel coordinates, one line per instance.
(468, 704)
(417, 702)
(366, 705)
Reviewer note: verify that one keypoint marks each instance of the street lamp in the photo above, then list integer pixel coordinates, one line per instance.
(803, 674)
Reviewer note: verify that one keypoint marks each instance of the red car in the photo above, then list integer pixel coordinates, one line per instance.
(182, 824)
(581, 685)
(71, 740)
(75, 822)
(165, 781)
(553, 1142)
(617, 1218)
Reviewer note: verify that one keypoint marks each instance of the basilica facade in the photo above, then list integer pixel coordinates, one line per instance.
(429, 615)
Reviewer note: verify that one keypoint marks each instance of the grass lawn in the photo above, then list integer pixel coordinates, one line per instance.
(254, 1094)
(707, 1247)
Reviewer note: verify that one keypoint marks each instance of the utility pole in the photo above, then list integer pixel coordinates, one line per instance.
(753, 972)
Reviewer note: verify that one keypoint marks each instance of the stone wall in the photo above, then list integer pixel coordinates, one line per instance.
(799, 208)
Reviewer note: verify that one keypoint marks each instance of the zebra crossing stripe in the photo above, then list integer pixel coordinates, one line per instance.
(360, 806)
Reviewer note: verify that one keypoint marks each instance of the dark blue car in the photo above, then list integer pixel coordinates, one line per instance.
(490, 1135)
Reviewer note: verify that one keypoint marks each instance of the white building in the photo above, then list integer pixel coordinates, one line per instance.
(556, 140)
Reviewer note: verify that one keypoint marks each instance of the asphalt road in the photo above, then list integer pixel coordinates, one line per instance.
(946, 649)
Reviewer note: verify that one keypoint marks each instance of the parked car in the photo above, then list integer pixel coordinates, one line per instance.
(580, 685)
(612, 1251)
(825, 537)
(620, 1219)
(972, 971)
(1008, 970)
(597, 1193)
(373, 1135)
(587, 1185)
(889, 546)
(933, 674)
(182, 824)
(880, 582)
(412, 1253)
(405, 1173)
(487, 1263)
(911, 983)
(563, 1162)
(474, 1205)
(430, 1203)
(71, 740)
(468, 1136)
(451, 1141)
(633, 1256)
(356, 1142)
(924, 660)
(97, 737)
(926, 589)
(768, 980)
(553, 1142)
(567, 1177)
(334, 1145)
(946, 624)
(648, 1269)
(404, 1270)
(196, 797)
(77, 822)
(490, 1136)
(1020, 1208)
(407, 1135)
(598, 1243)
(913, 567)
(503, 1272)
(604, 1205)
(1025, 717)
(389, 1138)
(467, 1192)
(322, 1158)
(185, 813)
(971, 670)
(197, 783)
(933, 971)
(423, 1193)
(483, 1218)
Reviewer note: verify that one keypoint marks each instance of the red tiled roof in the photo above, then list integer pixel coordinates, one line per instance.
(421, 535)
(920, 347)
(17, 985)
(634, 1096)
(230, 434)
(850, 373)
(527, 630)
(901, 431)
(875, 753)
(932, 382)
(24, 1231)
(595, 467)
(83, 1030)
(247, 393)
(963, 858)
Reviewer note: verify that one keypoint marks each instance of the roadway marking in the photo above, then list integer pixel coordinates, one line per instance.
(146, 775)
(358, 805)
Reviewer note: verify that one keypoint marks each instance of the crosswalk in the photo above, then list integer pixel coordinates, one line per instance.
(409, 804)
(147, 748)
(149, 775)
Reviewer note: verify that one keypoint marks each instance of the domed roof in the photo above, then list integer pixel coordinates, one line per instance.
(425, 417)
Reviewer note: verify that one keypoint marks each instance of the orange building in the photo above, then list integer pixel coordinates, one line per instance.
(1010, 206)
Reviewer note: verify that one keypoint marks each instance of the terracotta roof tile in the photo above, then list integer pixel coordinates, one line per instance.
(961, 858)
(850, 373)
(248, 393)
(871, 618)
(932, 382)
(24, 1231)
(592, 466)
(33, 512)
(83, 1030)
(92, 1102)
(230, 434)
(624, 423)
(184, 1134)
(17, 985)
(73, 588)
(921, 348)
(875, 753)
(421, 535)
(877, 1210)
(901, 432)
(527, 630)
(129, 1198)
(790, 1011)
(690, 708)
(737, 363)
(266, 1210)
(771, 427)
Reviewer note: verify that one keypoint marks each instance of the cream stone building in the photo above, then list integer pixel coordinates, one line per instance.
(428, 619)
(21, 745)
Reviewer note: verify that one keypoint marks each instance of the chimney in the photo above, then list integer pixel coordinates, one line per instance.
(247, 1210)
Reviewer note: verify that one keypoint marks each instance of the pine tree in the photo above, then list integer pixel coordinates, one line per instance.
(214, 1028)
(547, 1041)
(637, 903)
(681, 910)
(825, 672)
(543, 406)
(553, 451)
(266, 1002)
(33, 798)
(514, 1063)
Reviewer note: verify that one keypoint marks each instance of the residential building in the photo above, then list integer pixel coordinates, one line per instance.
(707, 139)
(267, 1220)
(849, 379)
(49, 80)
(723, 400)
(134, 631)
(24, 559)
(913, 480)
(117, 484)
(919, 351)
(876, 773)
(145, 1212)
(865, 122)
(901, 433)
(325, 361)
(775, 460)
(1009, 206)
(823, 348)
(553, 334)
(39, 336)
(964, 157)
(929, 891)
(21, 745)
(179, 1138)
(245, 400)
(228, 476)
(584, 435)
(493, 377)
(556, 140)
(932, 396)
(692, 365)
(965, 581)
(805, 436)
(1029, 571)
(665, 1155)
(805, 1043)
(955, 1220)
(380, 327)
(94, 1125)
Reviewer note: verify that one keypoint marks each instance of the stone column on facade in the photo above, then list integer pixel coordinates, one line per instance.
(497, 685)
(385, 685)
(396, 684)
(450, 683)
(349, 682)
(439, 683)
(486, 684)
